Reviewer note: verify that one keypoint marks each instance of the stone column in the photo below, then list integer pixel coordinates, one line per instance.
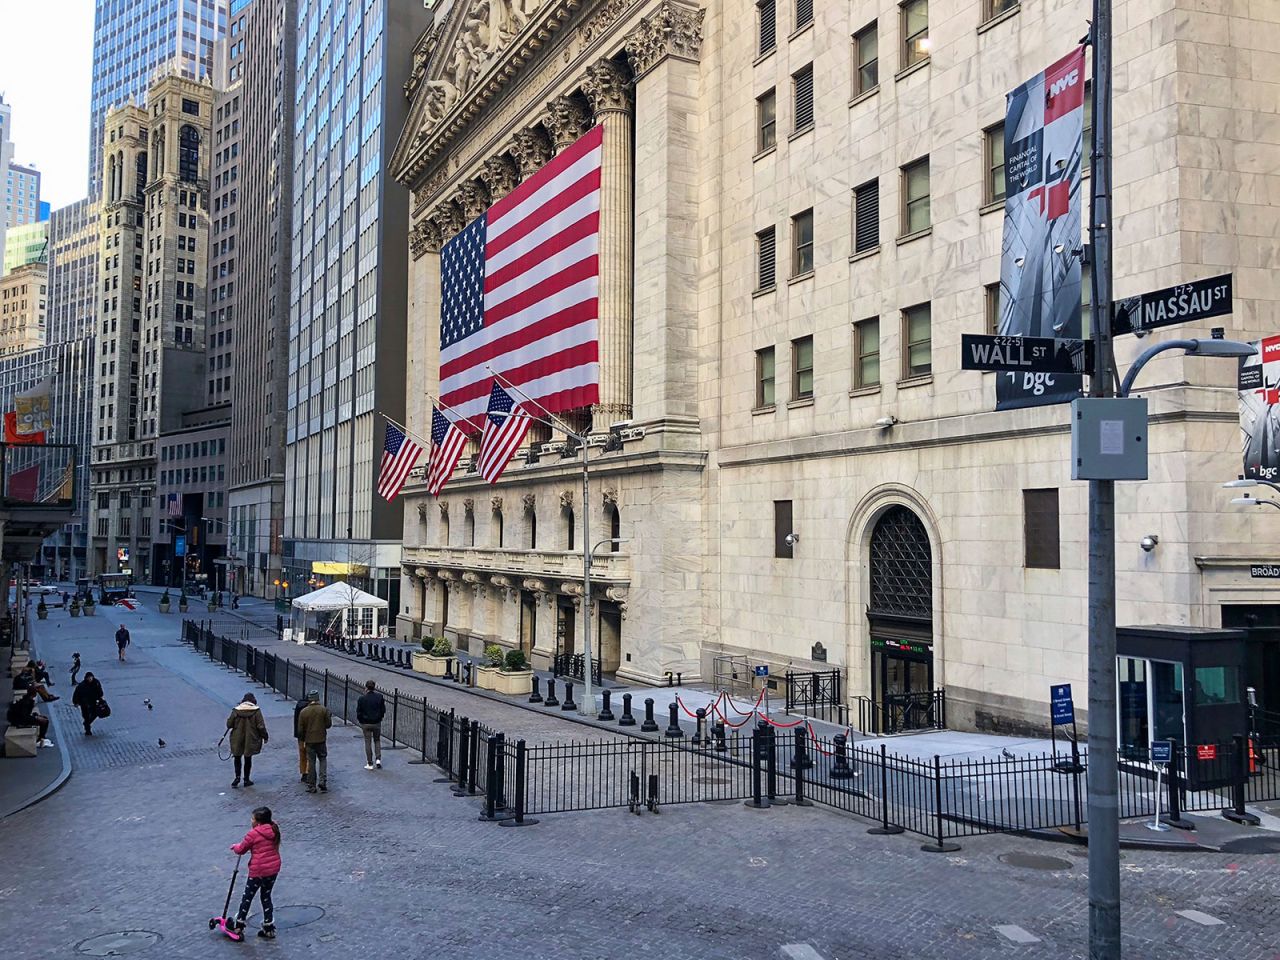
(663, 51)
(422, 359)
(608, 89)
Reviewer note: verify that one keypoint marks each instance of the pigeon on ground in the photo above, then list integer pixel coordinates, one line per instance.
(148, 703)
(1004, 752)
(162, 743)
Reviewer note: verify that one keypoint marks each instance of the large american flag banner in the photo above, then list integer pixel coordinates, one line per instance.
(447, 442)
(506, 423)
(520, 291)
(399, 454)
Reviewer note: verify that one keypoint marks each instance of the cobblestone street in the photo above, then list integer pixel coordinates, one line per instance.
(130, 857)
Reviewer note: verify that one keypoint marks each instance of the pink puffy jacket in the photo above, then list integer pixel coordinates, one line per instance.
(264, 852)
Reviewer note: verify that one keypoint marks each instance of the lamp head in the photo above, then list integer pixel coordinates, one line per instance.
(1241, 482)
(1221, 348)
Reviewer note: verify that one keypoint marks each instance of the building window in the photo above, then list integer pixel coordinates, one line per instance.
(802, 85)
(866, 59)
(615, 528)
(766, 258)
(866, 217)
(991, 306)
(804, 13)
(802, 243)
(802, 368)
(866, 353)
(1040, 528)
(766, 121)
(188, 154)
(191, 107)
(993, 163)
(917, 335)
(993, 8)
(915, 31)
(768, 10)
(782, 547)
(533, 529)
(915, 197)
(568, 528)
(764, 377)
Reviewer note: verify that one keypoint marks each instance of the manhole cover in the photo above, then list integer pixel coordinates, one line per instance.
(298, 916)
(1034, 861)
(118, 944)
(1252, 845)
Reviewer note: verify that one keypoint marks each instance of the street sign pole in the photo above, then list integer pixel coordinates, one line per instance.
(1103, 789)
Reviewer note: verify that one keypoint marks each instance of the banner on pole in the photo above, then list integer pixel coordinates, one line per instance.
(1259, 386)
(1040, 262)
(33, 409)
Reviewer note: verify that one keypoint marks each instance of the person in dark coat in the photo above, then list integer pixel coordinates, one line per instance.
(23, 713)
(122, 640)
(87, 696)
(302, 743)
(248, 735)
(370, 709)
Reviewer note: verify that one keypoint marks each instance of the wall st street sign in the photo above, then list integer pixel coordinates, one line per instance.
(1184, 303)
(1027, 354)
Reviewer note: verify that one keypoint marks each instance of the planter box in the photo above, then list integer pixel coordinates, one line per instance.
(163, 606)
(182, 607)
(75, 611)
(487, 677)
(90, 609)
(431, 666)
(42, 614)
(517, 683)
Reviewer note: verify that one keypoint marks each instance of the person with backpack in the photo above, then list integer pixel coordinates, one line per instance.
(262, 843)
(88, 697)
(248, 736)
(370, 709)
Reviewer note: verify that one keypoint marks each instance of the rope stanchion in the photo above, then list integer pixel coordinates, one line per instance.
(733, 726)
(817, 744)
(754, 707)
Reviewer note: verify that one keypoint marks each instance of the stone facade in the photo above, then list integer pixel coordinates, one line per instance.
(23, 300)
(714, 466)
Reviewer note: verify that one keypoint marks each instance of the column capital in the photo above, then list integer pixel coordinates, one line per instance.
(500, 175)
(567, 118)
(448, 216)
(608, 88)
(472, 199)
(673, 30)
(424, 238)
(531, 149)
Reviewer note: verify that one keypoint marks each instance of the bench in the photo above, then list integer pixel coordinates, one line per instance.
(20, 741)
(18, 663)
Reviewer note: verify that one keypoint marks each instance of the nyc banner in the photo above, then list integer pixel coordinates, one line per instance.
(33, 409)
(1259, 387)
(1040, 262)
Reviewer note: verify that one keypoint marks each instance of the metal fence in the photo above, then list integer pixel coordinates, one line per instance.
(817, 695)
(934, 798)
(903, 711)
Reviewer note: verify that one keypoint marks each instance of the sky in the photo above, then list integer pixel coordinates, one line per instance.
(46, 53)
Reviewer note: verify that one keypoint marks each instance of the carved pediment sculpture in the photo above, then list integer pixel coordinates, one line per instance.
(496, 504)
(530, 501)
(566, 499)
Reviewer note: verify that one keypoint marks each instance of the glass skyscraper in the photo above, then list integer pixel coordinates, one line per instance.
(348, 288)
(131, 40)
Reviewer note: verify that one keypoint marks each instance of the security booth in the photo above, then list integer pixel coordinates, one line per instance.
(340, 610)
(1182, 683)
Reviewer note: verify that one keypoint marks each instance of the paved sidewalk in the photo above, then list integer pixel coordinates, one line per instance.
(132, 852)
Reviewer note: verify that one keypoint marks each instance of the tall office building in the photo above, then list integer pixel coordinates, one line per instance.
(151, 328)
(131, 39)
(348, 295)
(73, 271)
(261, 64)
(28, 243)
(23, 298)
(22, 195)
(6, 157)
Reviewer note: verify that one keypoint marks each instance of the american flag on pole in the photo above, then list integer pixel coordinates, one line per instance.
(505, 426)
(399, 454)
(520, 291)
(175, 505)
(447, 442)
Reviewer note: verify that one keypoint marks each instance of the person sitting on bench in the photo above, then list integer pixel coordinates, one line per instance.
(26, 680)
(42, 674)
(22, 713)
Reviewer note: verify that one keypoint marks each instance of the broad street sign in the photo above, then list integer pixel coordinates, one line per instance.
(1187, 302)
(1030, 354)
(1264, 571)
(1061, 709)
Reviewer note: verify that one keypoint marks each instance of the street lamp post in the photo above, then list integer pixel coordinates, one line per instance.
(588, 708)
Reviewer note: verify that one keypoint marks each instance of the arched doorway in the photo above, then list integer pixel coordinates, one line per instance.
(900, 616)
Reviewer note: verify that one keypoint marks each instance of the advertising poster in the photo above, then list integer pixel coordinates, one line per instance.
(1040, 263)
(1259, 386)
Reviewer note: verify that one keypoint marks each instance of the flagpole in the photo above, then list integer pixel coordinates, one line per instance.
(587, 706)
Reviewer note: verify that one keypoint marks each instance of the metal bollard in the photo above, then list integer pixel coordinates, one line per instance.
(568, 697)
(801, 759)
(840, 769)
(718, 729)
(551, 700)
(536, 696)
(1236, 813)
(626, 720)
(801, 762)
(491, 779)
(467, 681)
(699, 732)
(1174, 818)
(758, 799)
(650, 725)
(606, 712)
(679, 679)
(448, 671)
(673, 722)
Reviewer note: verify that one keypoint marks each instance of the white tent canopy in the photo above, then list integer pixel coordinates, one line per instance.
(338, 595)
(339, 609)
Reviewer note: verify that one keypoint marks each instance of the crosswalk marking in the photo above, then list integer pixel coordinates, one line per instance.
(1204, 919)
(801, 951)
(1015, 933)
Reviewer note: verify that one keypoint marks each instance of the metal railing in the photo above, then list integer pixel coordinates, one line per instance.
(817, 695)
(573, 666)
(899, 712)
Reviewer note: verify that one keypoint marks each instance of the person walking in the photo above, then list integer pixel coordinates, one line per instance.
(122, 640)
(370, 709)
(248, 735)
(302, 743)
(75, 669)
(87, 697)
(262, 843)
(313, 723)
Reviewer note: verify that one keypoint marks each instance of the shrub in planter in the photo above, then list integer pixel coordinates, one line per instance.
(487, 673)
(164, 602)
(441, 647)
(515, 661)
(492, 655)
(435, 656)
(182, 602)
(90, 608)
(75, 608)
(42, 610)
(515, 679)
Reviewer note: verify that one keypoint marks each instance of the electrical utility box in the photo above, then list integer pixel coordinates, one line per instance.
(1109, 438)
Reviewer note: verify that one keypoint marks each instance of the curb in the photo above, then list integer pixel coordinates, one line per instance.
(63, 775)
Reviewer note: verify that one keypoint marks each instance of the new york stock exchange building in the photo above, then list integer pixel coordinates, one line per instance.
(800, 214)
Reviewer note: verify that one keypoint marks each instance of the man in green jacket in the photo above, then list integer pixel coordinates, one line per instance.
(313, 727)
